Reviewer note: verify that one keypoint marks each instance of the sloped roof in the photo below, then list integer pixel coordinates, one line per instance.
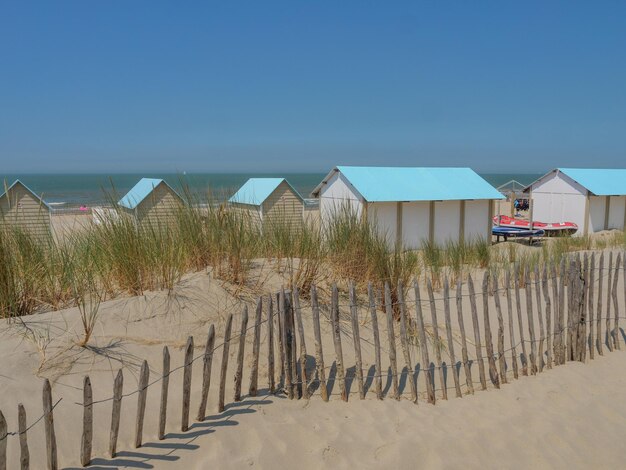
(390, 184)
(256, 190)
(18, 182)
(140, 191)
(601, 182)
(511, 186)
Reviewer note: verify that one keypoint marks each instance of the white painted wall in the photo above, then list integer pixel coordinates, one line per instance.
(557, 198)
(616, 212)
(447, 221)
(336, 194)
(597, 208)
(415, 224)
(384, 215)
(477, 224)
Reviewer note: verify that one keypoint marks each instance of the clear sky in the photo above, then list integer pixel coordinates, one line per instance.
(131, 86)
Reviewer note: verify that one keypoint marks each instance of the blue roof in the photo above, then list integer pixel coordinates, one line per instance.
(15, 183)
(390, 184)
(139, 192)
(256, 190)
(601, 182)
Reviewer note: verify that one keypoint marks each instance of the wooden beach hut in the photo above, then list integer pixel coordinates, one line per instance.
(594, 199)
(268, 199)
(412, 205)
(21, 207)
(152, 202)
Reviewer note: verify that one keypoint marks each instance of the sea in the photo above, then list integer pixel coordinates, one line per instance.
(72, 190)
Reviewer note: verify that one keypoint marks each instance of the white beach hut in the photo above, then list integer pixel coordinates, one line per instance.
(413, 205)
(594, 199)
(152, 202)
(266, 199)
(21, 207)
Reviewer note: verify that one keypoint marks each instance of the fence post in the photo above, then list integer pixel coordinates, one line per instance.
(509, 306)
(392, 342)
(493, 371)
(187, 370)
(356, 340)
(501, 359)
(21, 427)
(224, 364)
(609, 293)
(542, 332)
(437, 340)
(319, 353)
(459, 311)
(240, 354)
(116, 411)
(270, 346)
(479, 352)
(531, 323)
(256, 347)
(144, 377)
(615, 306)
(546, 295)
(51, 442)
(165, 383)
(592, 270)
(87, 436)
(562, 330)
(446, 306)
(284, 308)
(582, 324)
(334, 318)
(405, 343)
(518, 305)
(304, 385)
(599, 309)
(206, 373)
(378, 381)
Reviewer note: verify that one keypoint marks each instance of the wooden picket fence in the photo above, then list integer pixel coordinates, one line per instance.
(574, 316)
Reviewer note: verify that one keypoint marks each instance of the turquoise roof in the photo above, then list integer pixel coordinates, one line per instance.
(139, 192)
(389, 184)
(601, 182)
(256, 190)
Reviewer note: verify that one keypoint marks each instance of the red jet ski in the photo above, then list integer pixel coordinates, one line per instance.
(551, 229)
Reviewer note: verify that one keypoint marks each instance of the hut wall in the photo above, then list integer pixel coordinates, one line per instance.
(616, 212)
(476, 220)
(447, 221)
(19, 207)
(248, 212)
(415, 224)
(159, 208)
(597, 209)
(283, 204)
(336, 195)
(385, 216)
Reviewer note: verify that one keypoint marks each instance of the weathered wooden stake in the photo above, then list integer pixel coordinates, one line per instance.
(479, 348)
(207, 362)
(87, 436)
(616, 332)
(187, 370)
(256, 349)
(425, 366)
(378, 381)
(356, 339)
(531, 324)
(446, 306)
(609, 293)
(493, 370)
(165, 386)
(281, 346)
(240, 354)
(334, 318)
(590, 299)
(22, 429)
(116, 411)
(599, 309)
(582, 322)
(404, 342)
(304, 378)
(509, 306)
(546, 296)
(501, 358)
(518, 305)
(562, 330)
(284, 305)
(459, 311)
(392, 342)
(224, 364)
(270, 346)
(319, 352)
(144, 377)
(555, 315)
(542, 332)
(51, 441)
(437, 340)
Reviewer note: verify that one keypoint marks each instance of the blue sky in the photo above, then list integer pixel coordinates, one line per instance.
(302, 86)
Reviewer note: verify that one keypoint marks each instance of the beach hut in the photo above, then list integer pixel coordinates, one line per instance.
(21, 207)
(152, 202)
(594, 199)
(412, 205)
(267, 199)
